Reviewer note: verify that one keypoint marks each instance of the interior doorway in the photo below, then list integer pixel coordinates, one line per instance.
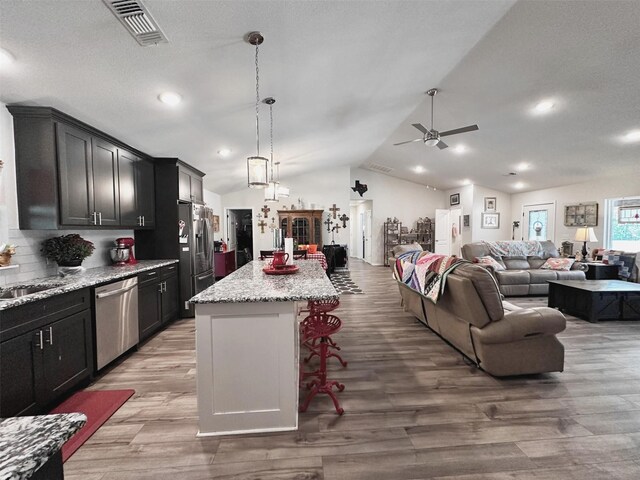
(361, 229)
(539, 221)
(239, 231)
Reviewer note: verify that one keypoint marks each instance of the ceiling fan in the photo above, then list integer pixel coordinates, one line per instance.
(431, 137)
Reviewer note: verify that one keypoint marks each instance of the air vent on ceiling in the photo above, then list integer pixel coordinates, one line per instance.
(378, 168)
(138, 21)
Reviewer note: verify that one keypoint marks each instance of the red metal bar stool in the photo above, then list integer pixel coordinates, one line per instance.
(319, 307)
(320, 327)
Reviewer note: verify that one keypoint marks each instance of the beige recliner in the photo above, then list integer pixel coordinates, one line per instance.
(470, 315)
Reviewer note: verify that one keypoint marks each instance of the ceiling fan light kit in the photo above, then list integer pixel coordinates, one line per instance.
(431, 137)
(257, 166)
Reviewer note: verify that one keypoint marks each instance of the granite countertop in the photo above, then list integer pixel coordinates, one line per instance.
(26, 443)
(251, 284)
(89, 278)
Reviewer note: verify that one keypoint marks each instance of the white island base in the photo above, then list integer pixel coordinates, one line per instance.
(247, 367)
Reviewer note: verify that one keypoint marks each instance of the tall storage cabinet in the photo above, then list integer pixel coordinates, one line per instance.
(304, 226)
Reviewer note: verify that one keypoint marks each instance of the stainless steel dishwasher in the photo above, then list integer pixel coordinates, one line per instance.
(116, 319)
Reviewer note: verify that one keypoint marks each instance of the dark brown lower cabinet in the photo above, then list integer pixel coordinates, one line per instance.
(41, 365)
(157, 299)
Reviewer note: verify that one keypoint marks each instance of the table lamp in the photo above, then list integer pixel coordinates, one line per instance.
(585, 234)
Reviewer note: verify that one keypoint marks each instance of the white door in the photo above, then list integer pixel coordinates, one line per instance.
(538, 222)
(231, 229)
(367, 236)
(443, 232)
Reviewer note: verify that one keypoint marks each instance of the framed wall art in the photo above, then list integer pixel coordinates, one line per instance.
(581, 215)
(465, 220)
(490, 204)
(216, 223)
(490, 220)
(454, 199)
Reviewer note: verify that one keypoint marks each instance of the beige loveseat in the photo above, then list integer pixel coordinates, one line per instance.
(522, 275)
(470, 315)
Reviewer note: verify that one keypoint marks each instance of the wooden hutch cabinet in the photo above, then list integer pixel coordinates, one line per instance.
(304, 226)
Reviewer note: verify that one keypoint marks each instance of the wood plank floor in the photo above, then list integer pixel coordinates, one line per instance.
(414, 409)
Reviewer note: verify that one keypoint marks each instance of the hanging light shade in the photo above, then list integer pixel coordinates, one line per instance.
(283, 191)
(257, 166)
(271, 192)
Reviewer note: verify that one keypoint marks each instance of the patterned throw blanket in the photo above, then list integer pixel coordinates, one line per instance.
(517, 248)
(426, 272)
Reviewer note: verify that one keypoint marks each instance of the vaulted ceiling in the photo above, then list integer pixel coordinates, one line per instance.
(349, 78)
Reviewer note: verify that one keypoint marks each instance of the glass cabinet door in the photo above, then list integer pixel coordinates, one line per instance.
(317, 231)
(284, 223)
(300, 230)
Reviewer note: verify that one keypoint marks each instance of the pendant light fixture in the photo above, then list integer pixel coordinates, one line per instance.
(271, 192)
(283, 192)
(257, 172)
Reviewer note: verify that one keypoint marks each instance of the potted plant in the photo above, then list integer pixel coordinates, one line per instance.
(67, 250)
(6, 251)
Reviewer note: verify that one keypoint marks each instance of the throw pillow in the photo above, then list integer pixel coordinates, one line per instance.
(488, 261)
(563, 264)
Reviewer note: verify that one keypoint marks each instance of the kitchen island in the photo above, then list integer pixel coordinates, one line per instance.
(247, 348)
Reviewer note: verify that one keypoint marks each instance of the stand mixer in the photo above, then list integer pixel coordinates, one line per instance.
(123, 255)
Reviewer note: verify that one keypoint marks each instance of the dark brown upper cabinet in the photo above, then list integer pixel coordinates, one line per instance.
(137, 202)
(70, 174)
(189, 184)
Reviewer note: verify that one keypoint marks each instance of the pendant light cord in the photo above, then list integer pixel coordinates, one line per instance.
(257, 104)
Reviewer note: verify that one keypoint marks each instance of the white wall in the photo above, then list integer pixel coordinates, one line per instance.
(322, 188)
(597, 190)
(503, 207)
(393, 197)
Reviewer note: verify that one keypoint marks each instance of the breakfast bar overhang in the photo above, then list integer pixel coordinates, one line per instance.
(247, 354)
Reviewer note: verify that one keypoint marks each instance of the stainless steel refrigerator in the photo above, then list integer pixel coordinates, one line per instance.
(195, 240)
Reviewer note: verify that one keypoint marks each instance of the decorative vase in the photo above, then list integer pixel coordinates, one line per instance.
(5, 259)
(70, 263)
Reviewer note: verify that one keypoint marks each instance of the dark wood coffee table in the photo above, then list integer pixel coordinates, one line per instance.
(596, 299)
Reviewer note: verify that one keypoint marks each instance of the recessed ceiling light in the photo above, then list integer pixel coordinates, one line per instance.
(518, 185)
(223, 152)
(521, 167)
(460, 149)
(632, 136)
(6, 58)
(419, 169)
(466, 181)
(545, 106)
(170, 98)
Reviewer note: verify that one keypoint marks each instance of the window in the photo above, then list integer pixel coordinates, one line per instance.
(622, 224)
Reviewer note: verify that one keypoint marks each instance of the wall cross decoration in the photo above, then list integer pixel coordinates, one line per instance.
(334, 209)
(262, 224)
(266, 211)
(343, 218)
(328, 222)
(336, 228)
(273, 225)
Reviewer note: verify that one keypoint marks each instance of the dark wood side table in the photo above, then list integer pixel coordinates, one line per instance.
(602, 271)
(596, 299)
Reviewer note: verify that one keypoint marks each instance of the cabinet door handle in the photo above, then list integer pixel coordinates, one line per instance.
(161, 287)
(143, 220)
(140, 221)
(165, 286)
(50, 339)
(100, 217)
(41, 344)
(94, 219)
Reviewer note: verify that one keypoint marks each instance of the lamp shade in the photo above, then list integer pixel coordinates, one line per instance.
(283, 191)
(271, 192)
(585, 234)
(257, 174)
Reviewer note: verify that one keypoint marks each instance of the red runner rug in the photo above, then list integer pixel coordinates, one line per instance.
(98, 406)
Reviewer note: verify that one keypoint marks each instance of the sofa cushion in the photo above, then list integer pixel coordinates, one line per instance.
(558, 264)
(541, 276)
(516, 263)
(535, 262)
(398, 249)
(549, 249)
(489, 261)
(486, 288)
(571, 275)
(513, 277)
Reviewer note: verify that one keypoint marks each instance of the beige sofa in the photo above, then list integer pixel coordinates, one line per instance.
(523, 275)
(470, 316)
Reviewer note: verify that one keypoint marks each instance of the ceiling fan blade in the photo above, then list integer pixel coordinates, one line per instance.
(420, 127)
(470, 128)
(441, 145)
(408, 141)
